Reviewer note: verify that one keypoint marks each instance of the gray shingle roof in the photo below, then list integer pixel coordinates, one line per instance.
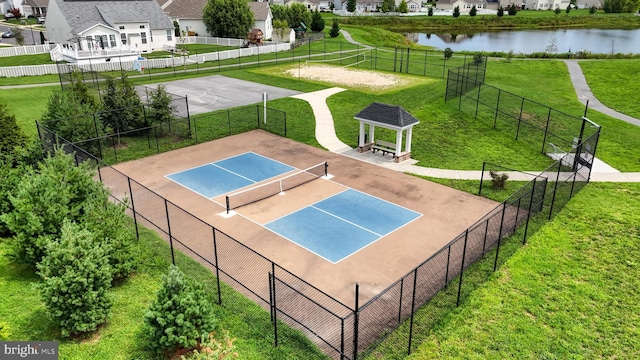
(387, 114)
(36, 3)
(82, 15)
(185, 9)
(260, 10)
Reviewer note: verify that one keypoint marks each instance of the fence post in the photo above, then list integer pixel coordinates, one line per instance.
(133, 208)
(258, 115)
(555, 189)
(413, 308)
(215, 256)
(155, 134)
(395, 58)
(341, 338)
(166, 209)
(95, 125)
(400, 305)
(464, 254)
(481, 178)
(519, 119)
(424, 70)
(355, 321)
(408, 57)
(526, 226)
(484, 241)
(446, 274)
(186, 102)
(504, 210)
(477, 98)
(275, 311)
(495, 117)
(285, 124)
(229, 120)
(546, 128)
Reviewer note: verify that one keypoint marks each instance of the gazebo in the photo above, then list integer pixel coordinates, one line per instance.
(390, 117)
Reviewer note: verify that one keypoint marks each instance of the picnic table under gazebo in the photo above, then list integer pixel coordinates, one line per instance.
(389, 117)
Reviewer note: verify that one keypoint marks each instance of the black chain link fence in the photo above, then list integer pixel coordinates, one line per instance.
(395, 321)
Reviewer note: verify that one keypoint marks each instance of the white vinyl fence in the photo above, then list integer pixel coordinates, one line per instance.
(35, 70)
(25, 50)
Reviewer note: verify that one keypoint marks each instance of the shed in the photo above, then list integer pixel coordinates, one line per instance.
(255, 37)
(390, 117)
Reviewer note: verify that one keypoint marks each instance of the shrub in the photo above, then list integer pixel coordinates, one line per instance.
(212, 348)
(44, 198)
(456, 11)
(430, 11)
(512, 10)
(500, 12)
(557, 11)
(335, 29)
(76, 280)
(498, 181)
(161, 107)
(12, 136)
(473, 11)
(478, 58)
(317, 22)
(403, 7)
(592, 9)
(448, 53)
(110, 225)
(180, 316)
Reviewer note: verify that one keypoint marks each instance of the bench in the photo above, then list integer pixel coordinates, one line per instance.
(384, 146)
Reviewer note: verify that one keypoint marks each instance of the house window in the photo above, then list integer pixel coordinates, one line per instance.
(143, 37)
(123, 38)
(121, 27)
(141, 26)
(112, 40)
(169, 35)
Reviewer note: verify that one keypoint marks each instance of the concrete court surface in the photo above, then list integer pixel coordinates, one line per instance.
(216, 92)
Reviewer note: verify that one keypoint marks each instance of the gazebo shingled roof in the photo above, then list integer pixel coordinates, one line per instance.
(391, 115)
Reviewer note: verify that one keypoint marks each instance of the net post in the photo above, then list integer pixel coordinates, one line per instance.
(227, 203)
(326, 169)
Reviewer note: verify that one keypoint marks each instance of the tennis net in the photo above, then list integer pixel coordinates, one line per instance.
(279, 186)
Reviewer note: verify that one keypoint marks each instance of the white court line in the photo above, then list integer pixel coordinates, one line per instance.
(345, 220)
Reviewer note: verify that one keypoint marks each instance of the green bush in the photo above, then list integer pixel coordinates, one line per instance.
(110, 225)
(456, 11)
(12, 136)
(161, 106)
(335, 29)
(43, 199)
(473, 11)
(317, 22)
(180, 316)
(76, 280)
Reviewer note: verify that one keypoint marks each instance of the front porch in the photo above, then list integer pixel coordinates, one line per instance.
(71, 54)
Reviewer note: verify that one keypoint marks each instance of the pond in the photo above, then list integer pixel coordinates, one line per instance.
(602, 41)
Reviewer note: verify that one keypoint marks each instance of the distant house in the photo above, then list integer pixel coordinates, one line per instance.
(36, 8)
(106, 27)
(546, 4)
(464, 5)
(374, 5)
(311, 5)
(6, 5)
(188, 15)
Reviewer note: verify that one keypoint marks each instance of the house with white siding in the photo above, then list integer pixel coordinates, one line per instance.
(105, 29)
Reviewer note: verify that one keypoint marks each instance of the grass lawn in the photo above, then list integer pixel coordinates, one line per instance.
(123, 337)
(27, 104)
(615, 84)
(570, 293)
(20, 60)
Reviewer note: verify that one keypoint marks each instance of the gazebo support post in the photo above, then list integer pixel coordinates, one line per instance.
(398, 143)
(407, 147)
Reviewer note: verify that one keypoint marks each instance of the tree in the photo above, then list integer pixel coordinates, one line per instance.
(448, 53)
(317, 22)
(122, 108)
(351, 5)
(76, 280)
(57, 191)
(473, 11)
(512, 10)
(228, 18)
(557, 11)
(403, 8)
(613, 6)
(456, 11)
(298, 13)
(500, 12)
(592, 10)
(12, 136)
(568, 9)
(180, 315)
(17, 34)
(161, 107)
(388, 6)
(279, 12)
(335, 29)
(430, 11)
(109, 225)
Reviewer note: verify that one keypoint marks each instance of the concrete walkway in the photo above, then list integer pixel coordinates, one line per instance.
(326, 136)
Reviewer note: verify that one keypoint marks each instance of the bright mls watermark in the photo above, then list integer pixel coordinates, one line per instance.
(40, 350)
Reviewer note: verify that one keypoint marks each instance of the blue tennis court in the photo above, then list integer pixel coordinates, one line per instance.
(343, 224)
(211, 180)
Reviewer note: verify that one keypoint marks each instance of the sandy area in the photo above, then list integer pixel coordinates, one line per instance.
(346, 76)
